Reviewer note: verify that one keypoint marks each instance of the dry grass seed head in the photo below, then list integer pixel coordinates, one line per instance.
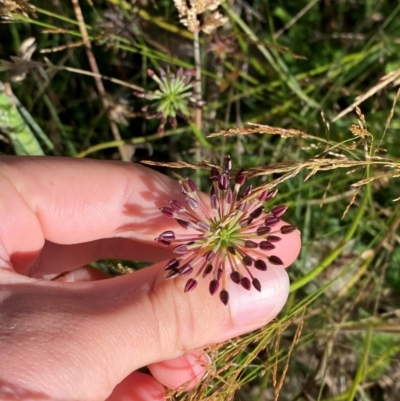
(9, 7)
(189, 11)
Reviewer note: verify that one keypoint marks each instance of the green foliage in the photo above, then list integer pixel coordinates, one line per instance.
(296, 64)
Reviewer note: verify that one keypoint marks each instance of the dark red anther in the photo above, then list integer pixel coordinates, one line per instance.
(229, 196)
(223, 182)
(208, 269)
(183, 223)
(172, 273)
(275, 260)
(210, 256)
(172, 264)
(181, 249)
(191, 284)
(214, 174)
(263, 230)
(257, 212)
(250, 244)
(287, 229)
(228, 163)
(263, 195)
(214, 202)
(271, 195)
(245, 283)
(191, 185)
(271, 221)
(224, 297)
(231, 249)
(247, 260)
(260, 265)
(245, 222)
(279, 211)
(273, 238)
(266, 246)
(246, 192)
(186, 270)
(167, 236)
(176, 205)
(167, 211)
(213, 288)
(163, 242)
(193, 204)
(240, 178)
(256, 284)
(235, 277)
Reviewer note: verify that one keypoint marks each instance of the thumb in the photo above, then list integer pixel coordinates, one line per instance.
(97, 333)
(188, 324)
(163, 326)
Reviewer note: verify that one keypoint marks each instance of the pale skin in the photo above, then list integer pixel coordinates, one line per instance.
(68, 332)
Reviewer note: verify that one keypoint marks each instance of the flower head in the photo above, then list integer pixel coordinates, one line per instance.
(174, 97)
(228, 238)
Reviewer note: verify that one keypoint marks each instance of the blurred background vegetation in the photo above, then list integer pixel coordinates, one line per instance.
(102, 79)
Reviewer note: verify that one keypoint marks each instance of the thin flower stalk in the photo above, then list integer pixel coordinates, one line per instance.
(228, 238)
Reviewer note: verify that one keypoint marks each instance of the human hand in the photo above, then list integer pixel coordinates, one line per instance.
(68, 334)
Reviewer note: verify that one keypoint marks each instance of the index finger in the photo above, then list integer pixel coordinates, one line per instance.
(69, 201)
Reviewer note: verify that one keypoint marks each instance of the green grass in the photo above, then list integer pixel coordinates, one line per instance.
(336, 338)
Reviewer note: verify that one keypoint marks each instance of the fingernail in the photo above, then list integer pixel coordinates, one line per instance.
(251, 309)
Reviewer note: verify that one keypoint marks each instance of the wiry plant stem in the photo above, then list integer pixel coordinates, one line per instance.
(97, 76)
(198, 112)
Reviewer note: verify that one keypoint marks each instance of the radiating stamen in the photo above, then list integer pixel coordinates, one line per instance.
(176, 205)
(191, 284)
(287, 229)
(207, 270)
(246, 192)
(256, 284)
(183, 223)
(240, 178)
(273, 238)
(260, 265)
(193, 204)
(214, 285)
(235, 277)
(167, 236)
(186, 270)
(210, 256)
(245, 222)
(271, 221)
(266, 246)
(247, 260)
(228, 163)
(191, 185)
(172, 264)
(214, 202)
(279, 211)
(263, 230)
(250, 244)
(172, 273)
(245, 283)
(182, 249)
(256, 212)
(167, 211)
(214, 174)
(223, 182)
(224, 297)
(275, 260)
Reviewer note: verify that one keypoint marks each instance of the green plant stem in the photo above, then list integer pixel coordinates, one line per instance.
(133, 141)
(362, 366)
(336, 252)
(277, 64)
